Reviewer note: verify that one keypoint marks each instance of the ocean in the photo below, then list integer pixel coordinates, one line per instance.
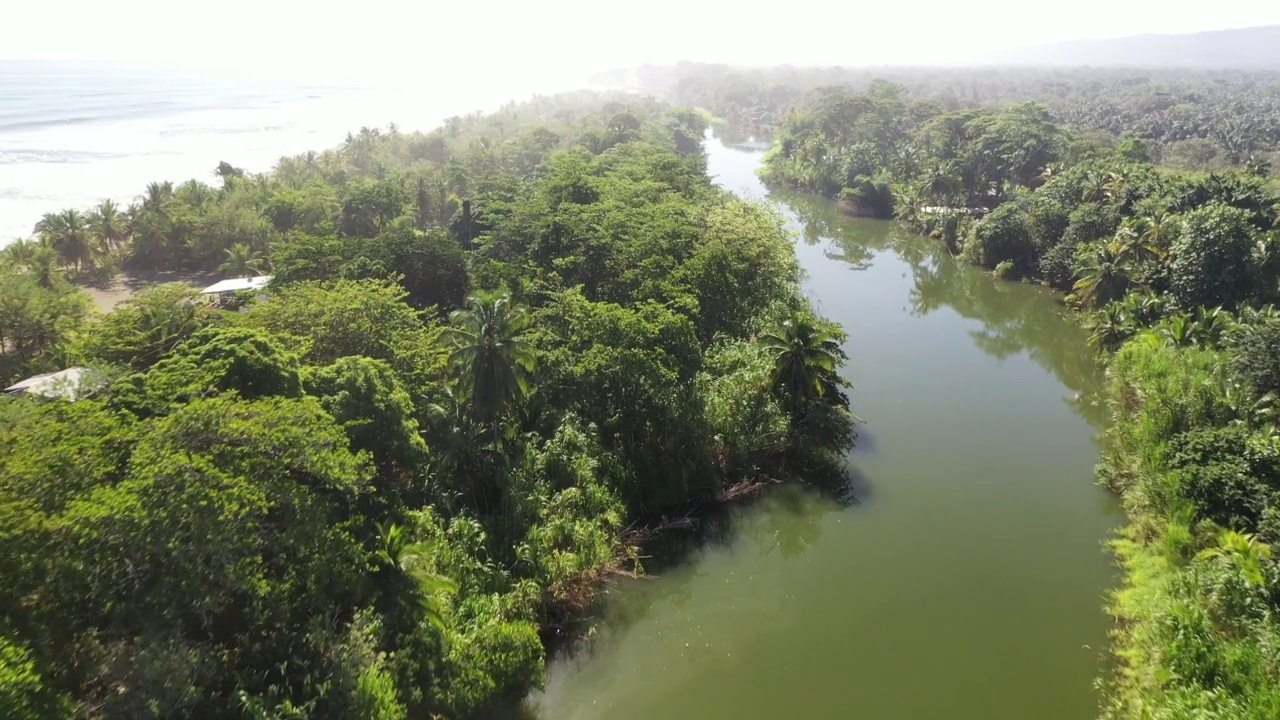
(73, 134)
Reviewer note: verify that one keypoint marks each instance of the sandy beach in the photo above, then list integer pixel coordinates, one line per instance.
(123, 286)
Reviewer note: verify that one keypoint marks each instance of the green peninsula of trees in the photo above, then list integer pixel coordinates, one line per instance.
(487, 351)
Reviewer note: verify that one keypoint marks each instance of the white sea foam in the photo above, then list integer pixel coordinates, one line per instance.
(77, 144)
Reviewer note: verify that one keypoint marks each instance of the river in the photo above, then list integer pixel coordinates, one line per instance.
(964, 581)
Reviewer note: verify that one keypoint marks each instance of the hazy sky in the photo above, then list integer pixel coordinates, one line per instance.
(473, 37)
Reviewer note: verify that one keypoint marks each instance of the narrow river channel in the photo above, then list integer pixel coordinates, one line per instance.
(967, 580)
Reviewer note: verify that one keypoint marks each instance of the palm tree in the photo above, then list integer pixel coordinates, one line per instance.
(1259, 166)
(1156, 230)
(229, 173)
(43, 266)
(360, 147)
(1178, 330)
(158, 198)
(405, 580)
(1132, 243)
(242, 261)
(908, 205)
(1102, 278)
(1109, 327)
(942, 184)
(150, 232)
(194, 193)
(452, 433)
(1243, 552)
(1095, 184)
(492, 362)
(109, 225)
(804, 361)
(68, 233)
(19, 253)
(1115, 186)
(1210, 326)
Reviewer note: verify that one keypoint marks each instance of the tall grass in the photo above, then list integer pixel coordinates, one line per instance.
(1196, 635)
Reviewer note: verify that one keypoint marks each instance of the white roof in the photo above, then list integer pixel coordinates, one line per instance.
(63, 383)
(238, 284)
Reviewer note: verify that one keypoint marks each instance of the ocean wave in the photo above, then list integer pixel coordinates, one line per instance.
(19, 122)
(34, 124)
(57, 117)
(214, 130)
(22, 157)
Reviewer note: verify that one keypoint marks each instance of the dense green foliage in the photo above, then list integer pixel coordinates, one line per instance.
(1190, 119)
(486, 352)
(1013, 190)
(1195, 455)
(1175, 272)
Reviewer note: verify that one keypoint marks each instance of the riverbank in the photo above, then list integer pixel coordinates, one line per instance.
(972, 479)
(1195, 634)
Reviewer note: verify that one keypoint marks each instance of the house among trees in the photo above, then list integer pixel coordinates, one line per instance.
(63, 384)
(227, 289)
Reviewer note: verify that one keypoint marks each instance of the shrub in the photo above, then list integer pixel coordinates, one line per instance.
(1091, 221)
(872, 197)
(1057, 265)
(1048, 221)
(1212, 258)
(23, 695)
(1256, 356)
(1004, 234)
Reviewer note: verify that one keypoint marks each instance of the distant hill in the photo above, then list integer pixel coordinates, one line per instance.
(1256, 47)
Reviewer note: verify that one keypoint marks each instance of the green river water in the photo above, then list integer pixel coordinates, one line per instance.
(967, 580)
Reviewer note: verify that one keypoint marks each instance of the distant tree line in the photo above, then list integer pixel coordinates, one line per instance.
(1191, 119)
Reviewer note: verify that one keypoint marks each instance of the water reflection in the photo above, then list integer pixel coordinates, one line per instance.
(742, 137)
(787, 518)
(782, 524)
(1010, 324)
(970, 578)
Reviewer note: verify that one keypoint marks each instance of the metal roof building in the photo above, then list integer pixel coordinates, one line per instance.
(63, 384)
(235, 285)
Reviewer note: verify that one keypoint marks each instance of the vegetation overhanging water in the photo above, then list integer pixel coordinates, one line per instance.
(651, 348)
(968, 578)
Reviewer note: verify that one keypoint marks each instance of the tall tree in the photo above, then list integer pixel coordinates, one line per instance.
(491, 361)
(69, 234)
(110, 225)
(804, 361)
(242, 261)
(43, 265)
(150, 230)
(1211, 261)
(19, 253)
(158, 198)
(1102, 278)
